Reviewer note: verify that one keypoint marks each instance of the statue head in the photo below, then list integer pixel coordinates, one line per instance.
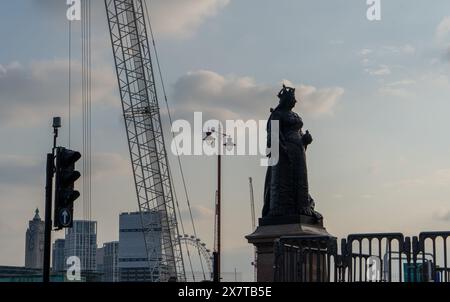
(287, 97)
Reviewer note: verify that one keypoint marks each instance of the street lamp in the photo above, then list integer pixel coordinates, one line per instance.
(209, 139)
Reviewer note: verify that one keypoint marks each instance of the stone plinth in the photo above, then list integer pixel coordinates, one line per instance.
(264, 236)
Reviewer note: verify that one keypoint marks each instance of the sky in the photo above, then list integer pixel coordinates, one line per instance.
(374, 95)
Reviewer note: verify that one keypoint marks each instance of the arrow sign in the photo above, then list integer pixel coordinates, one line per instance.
(65, 218)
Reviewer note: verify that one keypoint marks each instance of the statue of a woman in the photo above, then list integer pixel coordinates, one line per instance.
(286, 185)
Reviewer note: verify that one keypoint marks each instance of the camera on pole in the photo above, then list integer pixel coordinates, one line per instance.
(65, 193)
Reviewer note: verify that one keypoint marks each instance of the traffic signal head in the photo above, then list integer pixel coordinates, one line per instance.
(65, 193)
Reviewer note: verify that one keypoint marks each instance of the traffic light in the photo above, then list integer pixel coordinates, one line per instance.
(65, 193)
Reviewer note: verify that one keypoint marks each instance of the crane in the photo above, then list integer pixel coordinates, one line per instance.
(127, 20)
(252, 210)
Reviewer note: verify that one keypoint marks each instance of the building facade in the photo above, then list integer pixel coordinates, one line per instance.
(111, 262)
(81, 241)
(134, 265)
(58, 257)
(34, 243)
(99, 258)
(22, 274)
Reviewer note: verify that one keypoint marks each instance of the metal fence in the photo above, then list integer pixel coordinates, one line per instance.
(378, 257)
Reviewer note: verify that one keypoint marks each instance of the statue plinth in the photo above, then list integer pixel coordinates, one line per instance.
(271, 229)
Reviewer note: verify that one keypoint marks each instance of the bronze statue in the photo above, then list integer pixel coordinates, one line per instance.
(286, 191)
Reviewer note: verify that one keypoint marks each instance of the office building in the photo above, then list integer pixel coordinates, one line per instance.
(81, 241)
(134, 265)
(99, 262)
(111, 261)
(58, 258)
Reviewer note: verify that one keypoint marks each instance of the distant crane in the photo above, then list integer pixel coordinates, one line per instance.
(252, 210)
(127, 22)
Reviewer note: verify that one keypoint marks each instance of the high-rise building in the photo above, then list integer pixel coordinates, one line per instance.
(111, 261)
(99, 257)
(34, 243)
(58, 259)
(134, 265)
(81, 241)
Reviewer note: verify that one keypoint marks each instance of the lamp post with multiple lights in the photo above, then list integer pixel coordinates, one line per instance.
(229, 146)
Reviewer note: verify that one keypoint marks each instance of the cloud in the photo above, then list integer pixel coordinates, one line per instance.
(379, 71)
(447, 54)
(198, 213)
(398, 89)
(406, 49)
(232, 97)
(395, 92)
(443, 29)
(443, 36)
(402, 83)
(437, 179)
(442, 214)
(107, 164)
(169, 18)
(370, 57)
(31, 94)
(16, 170)
(402, 49)
(364, 52)
(181, 18)
(365, 61)
(319, 101)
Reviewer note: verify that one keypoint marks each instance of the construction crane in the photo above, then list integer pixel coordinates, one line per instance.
(252, 210)
(127, 20)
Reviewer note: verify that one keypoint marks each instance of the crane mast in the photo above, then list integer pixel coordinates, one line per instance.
(133, 62)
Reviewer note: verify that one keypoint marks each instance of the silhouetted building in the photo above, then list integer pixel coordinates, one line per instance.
(58, 257)
(134, 265)
(34, 243)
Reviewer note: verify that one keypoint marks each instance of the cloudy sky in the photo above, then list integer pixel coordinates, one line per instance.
(374, 95)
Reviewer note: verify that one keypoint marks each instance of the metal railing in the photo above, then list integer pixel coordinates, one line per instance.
(377, 257)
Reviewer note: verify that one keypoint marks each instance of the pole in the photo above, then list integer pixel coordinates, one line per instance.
(215, 268)
(48, 214)
(216, 254)
(48, 203)
(219, 214)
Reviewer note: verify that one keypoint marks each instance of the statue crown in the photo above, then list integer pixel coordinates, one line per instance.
(286, 92)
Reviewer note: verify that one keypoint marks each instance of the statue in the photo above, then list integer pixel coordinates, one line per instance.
(286, 190)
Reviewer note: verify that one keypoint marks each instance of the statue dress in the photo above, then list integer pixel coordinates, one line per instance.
(286, 191)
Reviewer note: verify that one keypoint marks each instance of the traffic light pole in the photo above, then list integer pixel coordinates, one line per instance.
(48, 215)
(48, 203)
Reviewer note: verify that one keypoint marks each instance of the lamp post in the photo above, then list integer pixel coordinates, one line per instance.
(229, 146)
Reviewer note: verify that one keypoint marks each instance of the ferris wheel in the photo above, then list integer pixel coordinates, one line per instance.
(199, 258)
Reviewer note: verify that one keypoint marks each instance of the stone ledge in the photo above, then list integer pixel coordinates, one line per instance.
(301, 219)
(268, 233)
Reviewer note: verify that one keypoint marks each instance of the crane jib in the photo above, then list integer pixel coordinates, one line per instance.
(134, 70)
